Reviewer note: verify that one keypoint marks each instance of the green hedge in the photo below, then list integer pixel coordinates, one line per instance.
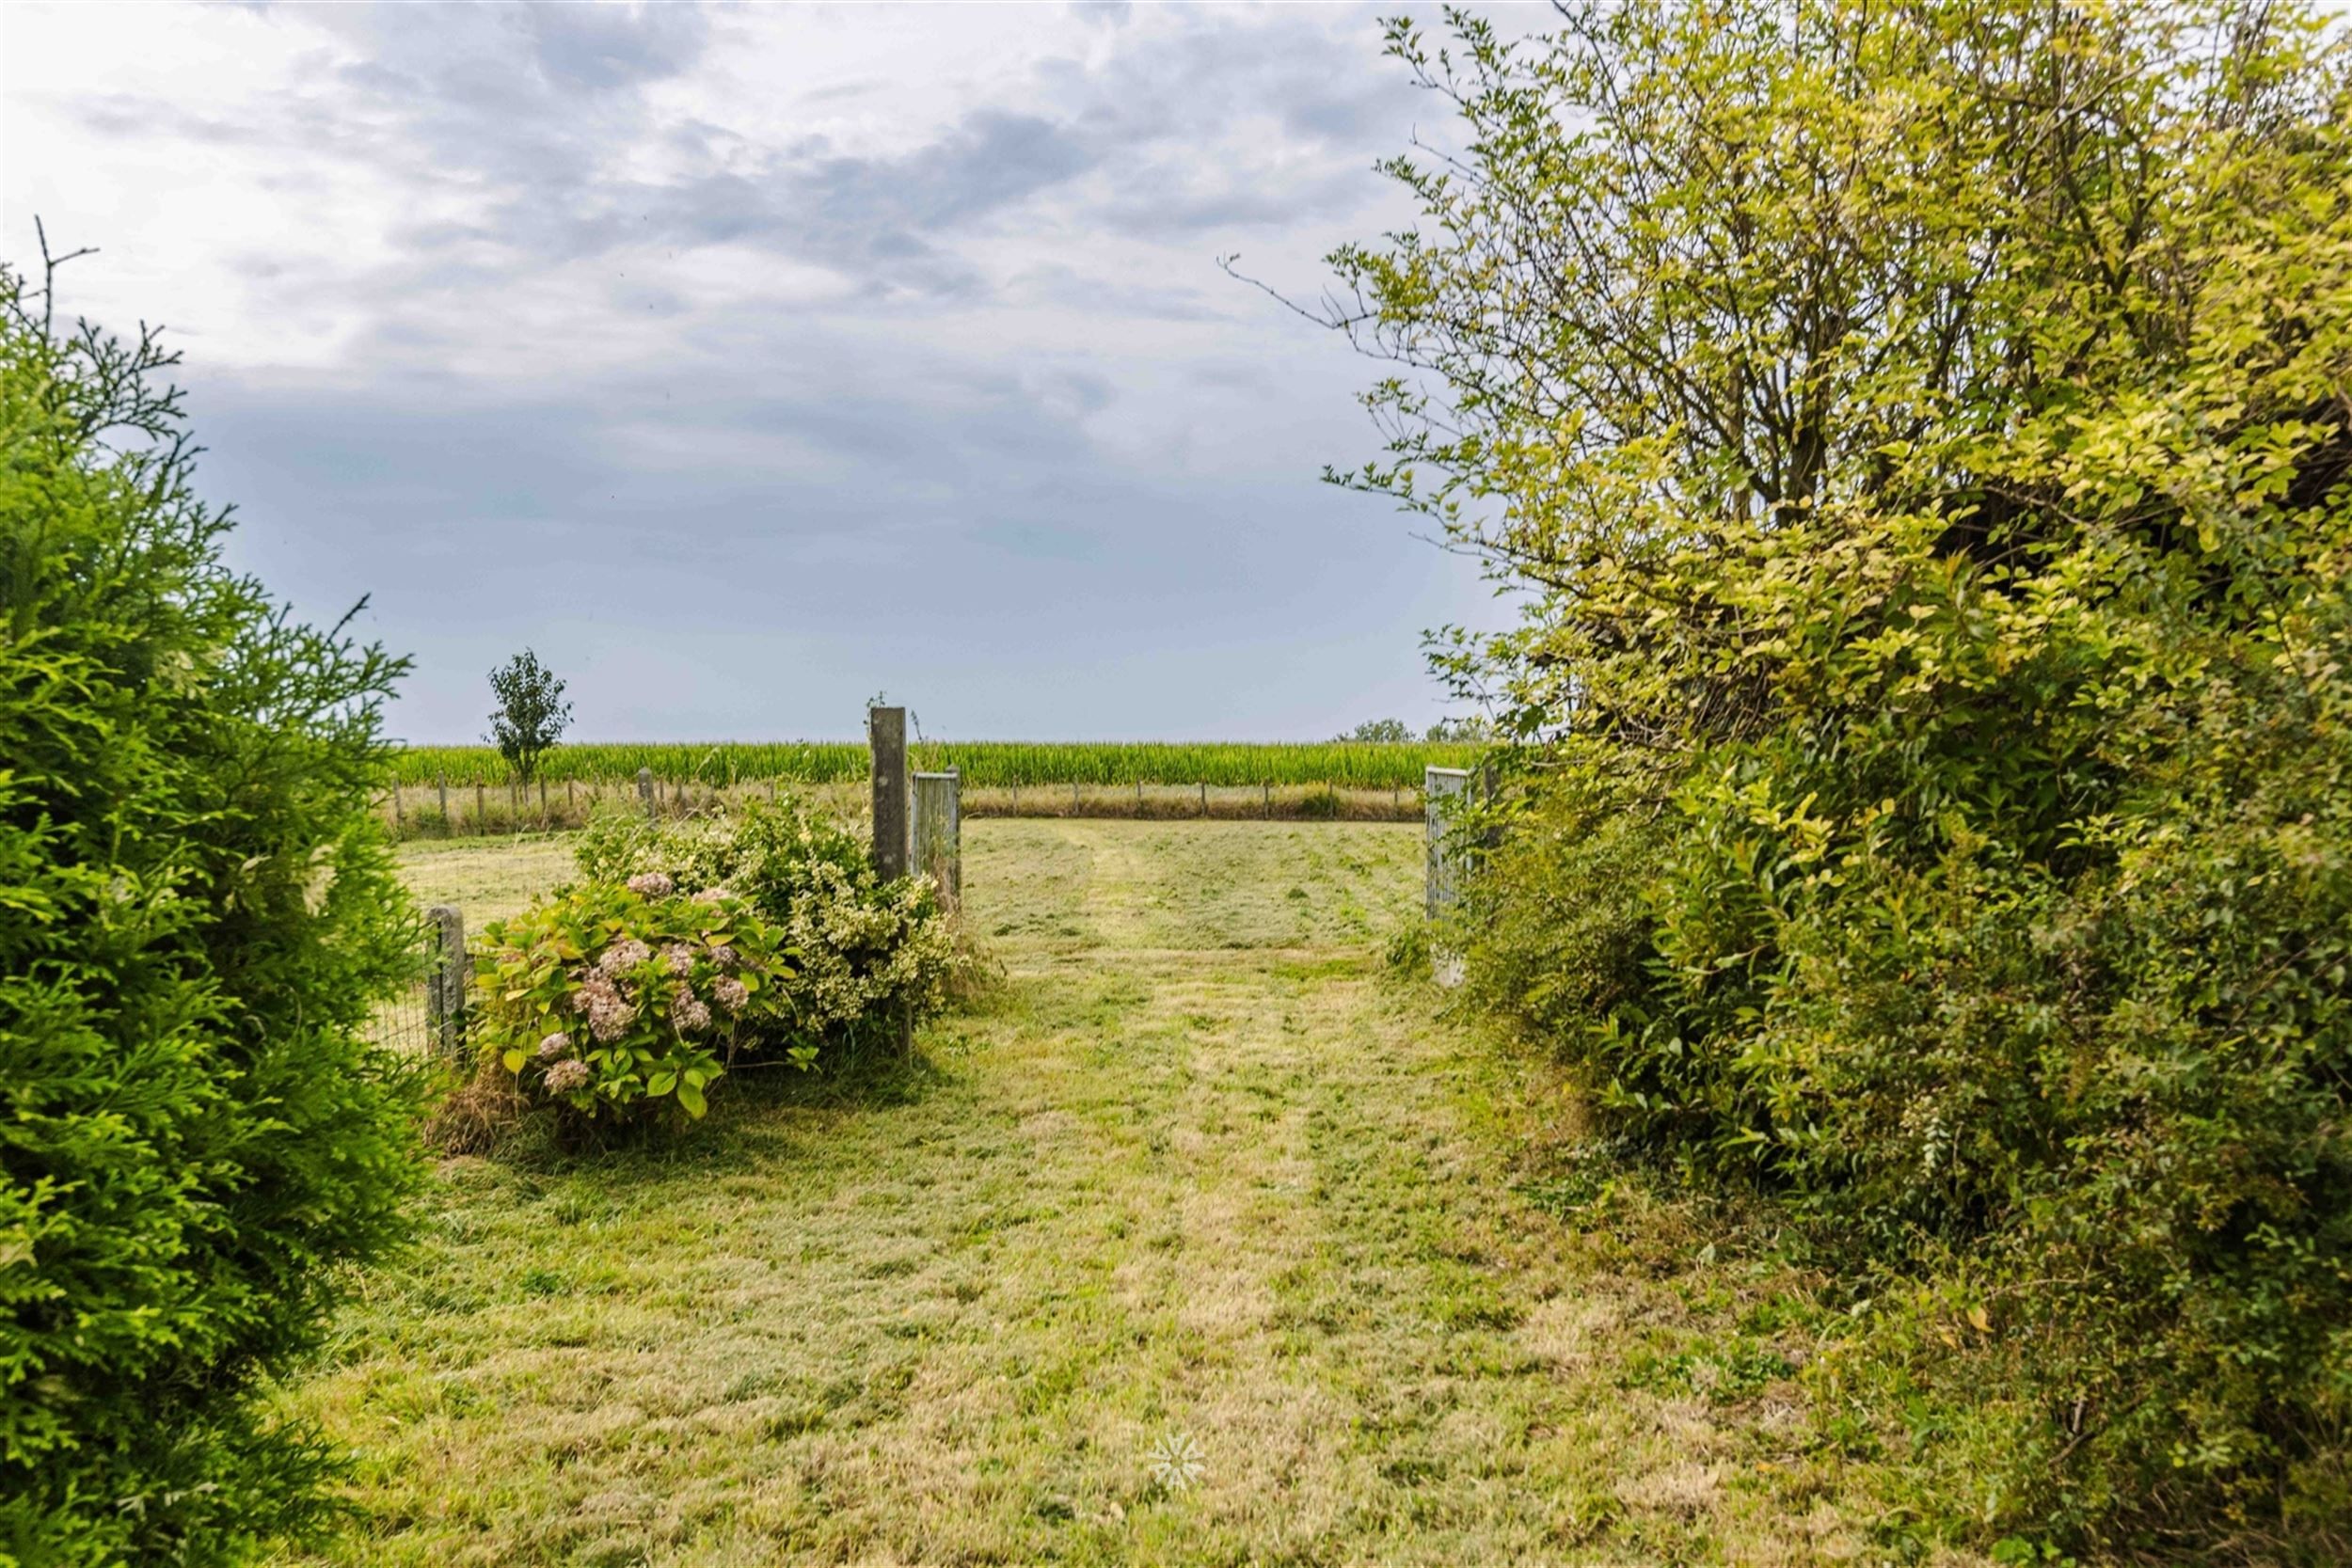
(196, 916)
(1936, 804)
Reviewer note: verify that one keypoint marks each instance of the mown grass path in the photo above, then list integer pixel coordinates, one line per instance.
(1200, 1174)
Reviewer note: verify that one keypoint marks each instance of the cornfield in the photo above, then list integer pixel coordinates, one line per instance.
(984, 764)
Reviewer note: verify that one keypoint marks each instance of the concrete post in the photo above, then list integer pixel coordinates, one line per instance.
(644, 791)
(886, 737)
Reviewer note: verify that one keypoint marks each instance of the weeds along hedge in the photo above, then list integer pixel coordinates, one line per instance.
(196, 916)
(985, 764)
(1936, 806)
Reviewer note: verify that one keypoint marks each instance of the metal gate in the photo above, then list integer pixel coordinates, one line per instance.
(938, 834)
(1444, 792)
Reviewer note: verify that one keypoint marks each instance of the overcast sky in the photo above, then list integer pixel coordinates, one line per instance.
(746, 363)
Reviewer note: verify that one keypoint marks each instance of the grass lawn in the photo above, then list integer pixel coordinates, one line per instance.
(1201, 1183)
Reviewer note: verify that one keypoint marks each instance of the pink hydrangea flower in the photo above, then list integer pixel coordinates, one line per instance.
(711, 896)
(731, 992)
(623, 956)
(608, 1012)
(568, 1075)
(723, 956)
(679, 958)
(689, 1012)
(557, 1044)
(652, 884)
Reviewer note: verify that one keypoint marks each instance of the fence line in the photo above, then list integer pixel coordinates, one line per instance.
(425, 810)
(428, 1014)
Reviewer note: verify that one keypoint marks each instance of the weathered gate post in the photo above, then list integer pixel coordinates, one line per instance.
(644, 791)
(445, 985)
(886, 740)
(448, 827)
(886, 737)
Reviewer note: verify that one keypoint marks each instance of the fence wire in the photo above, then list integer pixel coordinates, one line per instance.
(413, 1019)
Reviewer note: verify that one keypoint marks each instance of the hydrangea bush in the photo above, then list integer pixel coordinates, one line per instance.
(619, 1000)
(865, 952)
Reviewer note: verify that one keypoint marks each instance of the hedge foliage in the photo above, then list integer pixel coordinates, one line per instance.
(1924, 433)
(196, 917)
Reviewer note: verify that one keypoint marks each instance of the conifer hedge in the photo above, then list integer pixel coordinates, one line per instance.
(196, 917)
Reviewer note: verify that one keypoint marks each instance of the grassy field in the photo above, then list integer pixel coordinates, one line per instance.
(985, 764)
(1201, 1184)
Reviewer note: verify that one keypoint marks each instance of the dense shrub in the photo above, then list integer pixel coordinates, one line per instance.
(614, 1000)
(1935, 798)
(865, 953)
(196, 917)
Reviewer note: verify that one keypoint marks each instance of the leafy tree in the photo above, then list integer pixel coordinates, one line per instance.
(197, 914)
(531, 714)
(1922, 432)
(1385, 731)
(1459, 732)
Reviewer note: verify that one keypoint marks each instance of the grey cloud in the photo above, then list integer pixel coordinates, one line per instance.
(1083, 515)
(602, 47)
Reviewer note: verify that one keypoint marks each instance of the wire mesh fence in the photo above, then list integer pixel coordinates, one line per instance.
(427, 1014)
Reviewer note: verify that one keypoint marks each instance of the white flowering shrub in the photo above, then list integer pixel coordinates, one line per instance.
(865, 952)
(613, 1001)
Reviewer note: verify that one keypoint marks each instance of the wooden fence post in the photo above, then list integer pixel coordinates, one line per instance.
(1074, 797)
(1270, 801)
(445, 983)
(644, 791)
(1204, 797)
(447, 825)
(886, 739)
(1139, 798)
(395, 812)
(481, 807)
